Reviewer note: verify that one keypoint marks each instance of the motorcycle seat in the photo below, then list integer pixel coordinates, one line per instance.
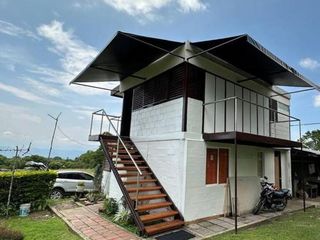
(286, 191)
(278, 194)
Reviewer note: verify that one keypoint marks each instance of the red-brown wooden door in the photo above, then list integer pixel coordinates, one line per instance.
(211, 166)
(223, 165)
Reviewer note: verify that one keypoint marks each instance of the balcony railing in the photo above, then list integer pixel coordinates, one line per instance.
(103, 123)
(236, 114)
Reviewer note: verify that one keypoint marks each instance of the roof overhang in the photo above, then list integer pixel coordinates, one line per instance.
(248, 55)
(127, 53)
(123, 56)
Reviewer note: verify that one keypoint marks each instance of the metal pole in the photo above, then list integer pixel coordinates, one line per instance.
(101, 123)
(236, 170)
(303, 173)
(11, 182)
(54, 133)
(236, 185)
(137, 190)
(91, 124)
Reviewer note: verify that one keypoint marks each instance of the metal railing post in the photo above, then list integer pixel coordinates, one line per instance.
(235, 113)
(273, 114)
(117, 153)
(91, 124)
(101, 124)
(137, 190)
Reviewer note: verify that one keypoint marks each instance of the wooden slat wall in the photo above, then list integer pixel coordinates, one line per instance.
(162, 88)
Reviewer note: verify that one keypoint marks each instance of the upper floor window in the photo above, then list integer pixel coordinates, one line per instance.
(273, 112)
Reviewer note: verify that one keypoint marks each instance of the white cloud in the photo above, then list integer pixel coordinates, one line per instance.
(13, 30)
(191, 5)
(317, 101)
(42, 87)
(10, 56)
(74, 54)
(24, 115)
(23, 94)
(8, 133)
(309, 63)
(84, 4)
(146, 9)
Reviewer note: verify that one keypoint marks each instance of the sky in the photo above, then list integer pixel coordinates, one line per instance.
(45, 44)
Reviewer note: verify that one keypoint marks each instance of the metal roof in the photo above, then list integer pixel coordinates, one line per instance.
(123, 56)
(128, 53)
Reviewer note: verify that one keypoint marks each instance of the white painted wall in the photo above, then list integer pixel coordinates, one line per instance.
(167, 159)
(156, 120)
(194, 115)
(105, 182)
(114, 189)
(203, 200)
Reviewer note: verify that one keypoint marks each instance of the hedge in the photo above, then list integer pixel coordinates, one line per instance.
(28, 187)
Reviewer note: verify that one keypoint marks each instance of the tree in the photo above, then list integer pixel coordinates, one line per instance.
(311, 140)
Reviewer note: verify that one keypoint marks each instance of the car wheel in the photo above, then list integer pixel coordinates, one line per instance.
(56, 194)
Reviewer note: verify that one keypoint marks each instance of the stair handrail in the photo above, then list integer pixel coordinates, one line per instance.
(103, 113)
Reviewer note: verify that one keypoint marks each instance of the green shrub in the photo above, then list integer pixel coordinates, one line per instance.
(110, 206)
(94, 197)
(6, 234)
(123, 216)
(28, 187)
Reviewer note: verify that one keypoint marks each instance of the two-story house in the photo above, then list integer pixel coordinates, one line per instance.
(201, 123)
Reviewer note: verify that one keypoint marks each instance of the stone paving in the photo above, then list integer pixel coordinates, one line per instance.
(216, 226)
(86, 222)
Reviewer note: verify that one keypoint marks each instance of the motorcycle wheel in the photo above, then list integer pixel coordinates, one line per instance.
(257, 208)
(285, 201)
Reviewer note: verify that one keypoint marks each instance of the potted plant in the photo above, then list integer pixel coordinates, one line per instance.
(80, 187)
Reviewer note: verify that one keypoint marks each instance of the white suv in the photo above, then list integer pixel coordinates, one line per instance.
(67, 182)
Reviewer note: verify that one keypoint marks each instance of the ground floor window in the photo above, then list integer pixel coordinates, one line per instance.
(260, 165)
(217, 165)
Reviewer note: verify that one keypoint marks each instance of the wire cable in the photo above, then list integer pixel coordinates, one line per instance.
(71, 139)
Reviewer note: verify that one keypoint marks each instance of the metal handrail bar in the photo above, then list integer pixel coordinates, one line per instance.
(119, 138)
(99, 114)
(235, 97)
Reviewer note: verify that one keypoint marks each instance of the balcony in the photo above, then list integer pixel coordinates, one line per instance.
(103, 124)
(235, 119)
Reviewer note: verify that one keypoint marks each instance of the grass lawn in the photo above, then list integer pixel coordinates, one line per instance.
(40, 226)
(296, 226)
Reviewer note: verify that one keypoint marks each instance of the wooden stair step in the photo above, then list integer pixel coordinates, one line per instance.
(140, 181)
(157, 216)
(123, 151)
(151, 206)
(132, 168)
(128, 162)
(134, 174)
(144, 189)
(163, 227)
(115, 142)
(149, 196)
(126, 156)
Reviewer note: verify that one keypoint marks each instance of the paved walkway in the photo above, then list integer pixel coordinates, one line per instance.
(86, 222)
(216, 226)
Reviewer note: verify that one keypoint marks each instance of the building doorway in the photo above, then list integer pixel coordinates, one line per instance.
(277, 170)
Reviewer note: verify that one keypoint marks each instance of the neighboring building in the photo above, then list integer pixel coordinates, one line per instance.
(194, 109)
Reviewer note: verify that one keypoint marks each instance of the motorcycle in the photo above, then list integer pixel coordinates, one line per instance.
(271, 198)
